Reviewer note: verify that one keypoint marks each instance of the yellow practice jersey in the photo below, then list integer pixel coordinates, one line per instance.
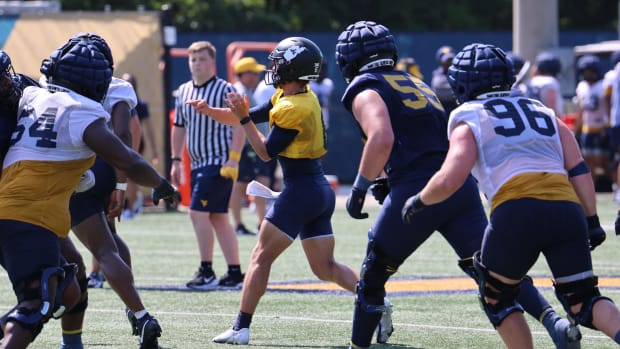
(536, 185)
(301, 112)
(47, 157)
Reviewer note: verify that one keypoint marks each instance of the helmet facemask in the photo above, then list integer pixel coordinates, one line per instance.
(10, 86)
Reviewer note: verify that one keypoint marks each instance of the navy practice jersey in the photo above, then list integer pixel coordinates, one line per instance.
(418, 121)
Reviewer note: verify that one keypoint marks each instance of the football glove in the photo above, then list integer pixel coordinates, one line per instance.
(412, 206)
(380, 189)
(355, 203)
(166, 192)
(596, 234)
(229, 172)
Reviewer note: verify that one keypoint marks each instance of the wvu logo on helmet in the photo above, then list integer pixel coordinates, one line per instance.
(293, 52)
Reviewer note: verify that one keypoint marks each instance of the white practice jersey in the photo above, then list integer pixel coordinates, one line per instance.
(119, 91)
(540, 86)
(612, 82)
(47, 157)
(514, 135)
(591, 98)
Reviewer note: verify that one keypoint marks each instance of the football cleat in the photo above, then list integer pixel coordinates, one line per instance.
(567, 335)
(385, 327)
(132, 321)
(71, 346)
(232, 336)
(353, 346)
(148, 330)
(96, 280)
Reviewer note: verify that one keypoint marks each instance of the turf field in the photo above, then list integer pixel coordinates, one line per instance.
(434, 306)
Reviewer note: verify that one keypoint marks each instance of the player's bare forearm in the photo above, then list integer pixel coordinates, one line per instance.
(221, 115)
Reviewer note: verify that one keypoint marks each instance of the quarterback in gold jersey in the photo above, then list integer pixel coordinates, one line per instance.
(305, 206)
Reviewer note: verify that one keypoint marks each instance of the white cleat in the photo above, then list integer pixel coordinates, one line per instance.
(385, 328)
(230, 336)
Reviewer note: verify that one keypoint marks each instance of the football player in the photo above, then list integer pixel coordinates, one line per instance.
(591, 117)
(59, 130)
(409, 65)
(527, 163)
(93, 208)
(439, 81)
(544, 84)
(11, 87)
(297, 139)
(404, 125)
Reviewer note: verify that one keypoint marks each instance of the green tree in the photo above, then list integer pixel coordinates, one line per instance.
(330, 15)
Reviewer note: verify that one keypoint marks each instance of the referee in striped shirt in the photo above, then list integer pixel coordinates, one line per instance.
(214, 151)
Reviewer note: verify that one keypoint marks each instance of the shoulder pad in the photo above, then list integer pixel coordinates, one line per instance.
(120, 91)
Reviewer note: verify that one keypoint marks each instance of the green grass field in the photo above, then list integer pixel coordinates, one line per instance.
(165, 256)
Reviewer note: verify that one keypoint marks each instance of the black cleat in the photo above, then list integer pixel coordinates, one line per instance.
(147, 329)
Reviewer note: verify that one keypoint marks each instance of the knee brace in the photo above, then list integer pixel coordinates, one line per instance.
(30, 318)
(69, 271)
(47, 304)
(503, 294)
(376, 270)
(584, 292)
(467, 265)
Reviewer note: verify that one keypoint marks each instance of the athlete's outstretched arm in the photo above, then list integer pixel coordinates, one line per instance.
(582, 182)
(221, 115)
(104, 142)
(455, 169)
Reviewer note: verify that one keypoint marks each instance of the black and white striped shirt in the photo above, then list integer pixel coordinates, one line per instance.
(208, 141)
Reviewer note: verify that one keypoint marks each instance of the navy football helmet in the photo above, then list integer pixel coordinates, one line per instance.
(591, 63)
(548, 63)
(294, 58)
(365, 45)
(517, 61)
(480, 68)
(84, 64)
(10, 83)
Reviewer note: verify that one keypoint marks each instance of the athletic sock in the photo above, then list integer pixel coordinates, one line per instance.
(72, 339)
(243, 321)
(140, 314)
(206, 267)
(532, 301)
(234, 269)
(549, 320)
